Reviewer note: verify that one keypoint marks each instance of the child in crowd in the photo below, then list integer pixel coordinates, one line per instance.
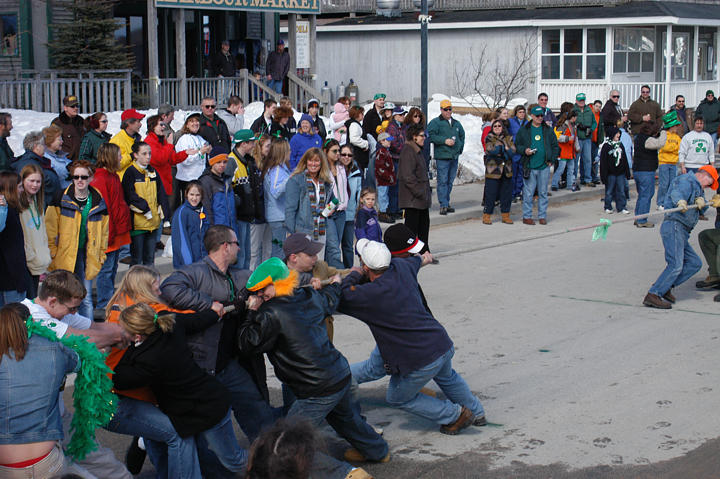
(567, 136)
(340, 116)
(614, 170)
(385, 176)
(189, 227)
(145, 195)
(366, 220)
(668, 157)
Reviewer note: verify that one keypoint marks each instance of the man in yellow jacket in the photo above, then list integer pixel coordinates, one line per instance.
(668, 156)
(126, 137)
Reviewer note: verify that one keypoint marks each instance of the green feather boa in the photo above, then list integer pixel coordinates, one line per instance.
(93, 400)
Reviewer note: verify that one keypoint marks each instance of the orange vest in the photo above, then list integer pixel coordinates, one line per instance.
(567, 150)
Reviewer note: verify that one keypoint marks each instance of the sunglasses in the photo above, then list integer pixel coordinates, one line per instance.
(615, 96)
(645, 91)
(447, 109)
(80, 177)
(346, 155)
(210, 107)
(417, 116)
(233, 242)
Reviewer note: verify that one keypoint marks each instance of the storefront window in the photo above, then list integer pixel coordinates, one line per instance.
(573, 54)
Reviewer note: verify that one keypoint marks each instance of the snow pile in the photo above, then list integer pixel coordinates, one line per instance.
(471, 161)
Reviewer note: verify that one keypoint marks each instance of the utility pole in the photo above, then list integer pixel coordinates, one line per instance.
(424, 19)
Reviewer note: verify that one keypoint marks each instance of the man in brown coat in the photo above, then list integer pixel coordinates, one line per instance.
(414, 185)
(644, 109)
(73, 126)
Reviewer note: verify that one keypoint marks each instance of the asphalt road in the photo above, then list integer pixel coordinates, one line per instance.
(578, 379)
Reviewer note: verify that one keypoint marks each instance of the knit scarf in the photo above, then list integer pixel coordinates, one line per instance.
(615, 151)
(317, 204)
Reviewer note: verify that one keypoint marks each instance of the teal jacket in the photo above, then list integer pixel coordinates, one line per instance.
(586, 118)
(523, 142)
(440, 130)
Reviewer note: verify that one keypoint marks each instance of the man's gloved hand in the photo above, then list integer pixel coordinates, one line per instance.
(700, 202)
(682, 204)
(715, 201)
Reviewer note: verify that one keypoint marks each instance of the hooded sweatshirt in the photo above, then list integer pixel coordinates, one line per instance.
(302, 142)
(338, 120)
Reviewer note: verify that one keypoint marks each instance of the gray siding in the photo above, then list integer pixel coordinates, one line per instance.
(389, 62)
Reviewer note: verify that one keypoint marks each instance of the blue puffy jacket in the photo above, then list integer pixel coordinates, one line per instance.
(218, 199)
(188, 230)
(301, 142)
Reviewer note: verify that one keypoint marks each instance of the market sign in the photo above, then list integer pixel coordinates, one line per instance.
(291, 6)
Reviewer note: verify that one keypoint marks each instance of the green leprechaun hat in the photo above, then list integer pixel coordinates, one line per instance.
(670, 119)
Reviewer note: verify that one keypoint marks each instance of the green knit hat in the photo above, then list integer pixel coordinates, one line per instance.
(670, 119)
(268, 272)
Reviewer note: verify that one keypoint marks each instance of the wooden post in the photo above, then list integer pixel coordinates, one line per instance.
(292, 43)
(152, 52)
(313, 46)
(668, 65)
(127, 93)
(180, 57)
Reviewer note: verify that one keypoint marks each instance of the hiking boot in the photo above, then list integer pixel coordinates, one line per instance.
(708, 282)
(655, 301)
(542, 221)
(506, 218)
(385, 218)
(668, 296)
(465, 419)
(450, 209)
(480, 421)
(528, 221)
(358, 473)
(353, 455)
(443, 211)
(487, 219)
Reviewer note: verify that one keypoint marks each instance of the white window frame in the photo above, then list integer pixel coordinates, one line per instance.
(627, 52)
(584, 54)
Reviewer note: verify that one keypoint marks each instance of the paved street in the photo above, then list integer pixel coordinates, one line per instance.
(577, 378)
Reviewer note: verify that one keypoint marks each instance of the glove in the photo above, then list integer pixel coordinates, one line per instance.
(682, 204)
(700, 202)
(715, 201)
(148, 215)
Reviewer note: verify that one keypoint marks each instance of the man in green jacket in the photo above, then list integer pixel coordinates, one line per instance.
(448, 136)
(6, 153)
(585, 125)
(539, 148)
(709, 110)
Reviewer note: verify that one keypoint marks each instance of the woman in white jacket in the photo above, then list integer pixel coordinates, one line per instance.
(194, 165)
(32, 218)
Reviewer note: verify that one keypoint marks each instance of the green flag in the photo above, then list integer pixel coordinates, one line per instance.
(601, 231)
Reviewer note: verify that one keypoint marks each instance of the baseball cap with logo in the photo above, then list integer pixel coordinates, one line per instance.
(71, 100)
(537, 111)
(580, 97)
(400, 239)
(373, 254)
(445, 104)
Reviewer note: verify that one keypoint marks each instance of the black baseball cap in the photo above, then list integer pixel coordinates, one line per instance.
(400, 239)
(301, 243)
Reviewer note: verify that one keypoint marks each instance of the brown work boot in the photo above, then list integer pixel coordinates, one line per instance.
(353, 455)
(358, 473)
(465, 419)
(668, 296)
(487, 219)
(542, 221)
(655, 301)
(506, 218)
(528, 221)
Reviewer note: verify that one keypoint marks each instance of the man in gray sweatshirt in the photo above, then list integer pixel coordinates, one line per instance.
(696, 148)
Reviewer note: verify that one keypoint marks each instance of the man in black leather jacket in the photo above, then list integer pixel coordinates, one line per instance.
(287, 323)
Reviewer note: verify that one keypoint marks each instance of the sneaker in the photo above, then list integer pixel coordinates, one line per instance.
(575, 188)
(708, 282)
(661, 208)
(542, 221)
(353, 455)
(647, 224)
(625, 212)
(596, 182)
(465, 419)
(443, 211)
(591, 185)
(655, 301)
(135, 457)
(450, 209)
(609, 212)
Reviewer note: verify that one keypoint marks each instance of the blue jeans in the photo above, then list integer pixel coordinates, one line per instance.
(348, 240)
(279, 233)
(252, 411)
(7, 297)
(369, 179)
(142, 248)
(86, 307)
(615, 190)
(372, 369)
(333, 238)
(585, 155)
(105, 280)
(666, 173)
(404, 392)
(446, 172)
(383, 198)
(517, 175)
(539, 179)
(340, 412)
(276, 85)
(244, 243)
(173, 456)
(682, 261)
(221, 440)
(570, 178)
(645, 184)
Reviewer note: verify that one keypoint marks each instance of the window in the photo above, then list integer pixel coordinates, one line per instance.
(679, 56)
(633, 50)
(573, 54)
(707, 65)
(9, 34)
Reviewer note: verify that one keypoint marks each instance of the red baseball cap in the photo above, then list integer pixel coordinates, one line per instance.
(130, 114)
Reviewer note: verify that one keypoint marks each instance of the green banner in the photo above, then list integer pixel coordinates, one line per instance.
(292, 6)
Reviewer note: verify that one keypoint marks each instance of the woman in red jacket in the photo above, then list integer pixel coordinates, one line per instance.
(163, 155)
(107, 182)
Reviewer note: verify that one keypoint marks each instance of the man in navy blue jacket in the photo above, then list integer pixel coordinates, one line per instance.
(413, 344)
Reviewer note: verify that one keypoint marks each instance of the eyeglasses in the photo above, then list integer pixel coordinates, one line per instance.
(417, 116)
(233, 242)
(681, 101)
(645, 91)
(162, 124)
(80, 177)
(447, 109)
(210, 107)
(615, 96)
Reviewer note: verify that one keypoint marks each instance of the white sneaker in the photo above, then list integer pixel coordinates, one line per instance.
(661, 208)
(609, 212)
(378, 430)
(625, 212)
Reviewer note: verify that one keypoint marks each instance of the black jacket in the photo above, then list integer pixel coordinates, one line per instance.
(73, 131)
(260, 126)
(192, 399)
(223, 64)
(51, 180)
(276, 129)
(250, 189)
(14, 275)
(319, 124)
(371, 121)
(291, 330)
(215, 131)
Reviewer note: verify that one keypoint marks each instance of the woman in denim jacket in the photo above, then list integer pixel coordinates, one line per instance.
(275, 173)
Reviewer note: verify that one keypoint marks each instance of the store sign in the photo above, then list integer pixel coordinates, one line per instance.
(293, 6)
(302, 44)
